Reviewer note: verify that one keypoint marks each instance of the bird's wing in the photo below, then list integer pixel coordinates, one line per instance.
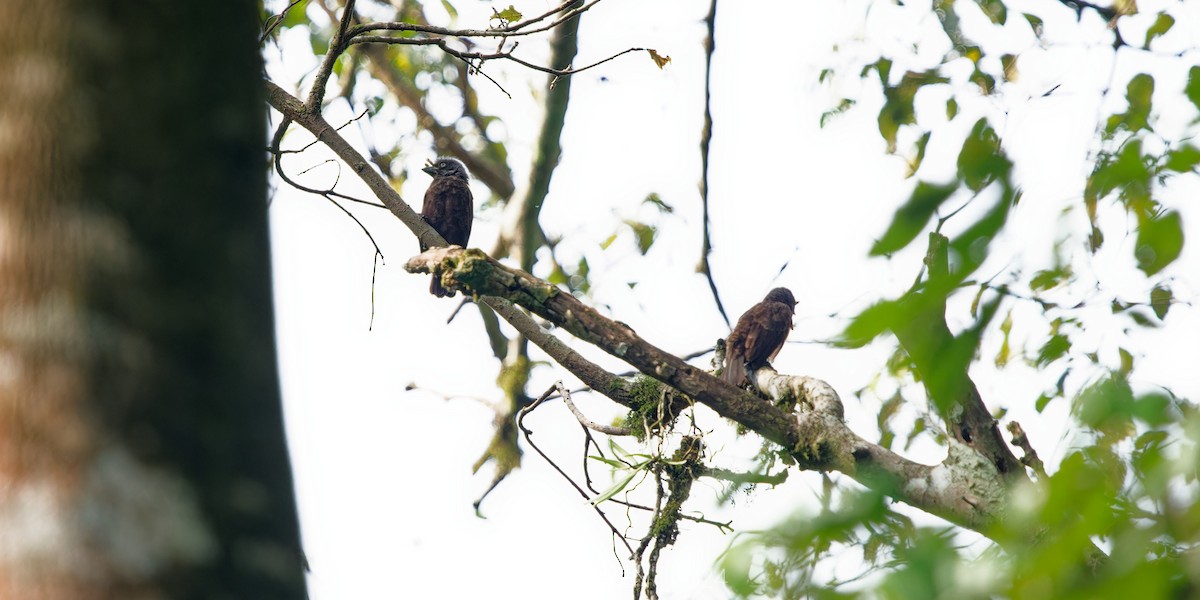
(770, 326)
(735, 368)
(449, 209)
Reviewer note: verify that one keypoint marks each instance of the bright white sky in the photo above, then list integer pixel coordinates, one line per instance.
(384, 474)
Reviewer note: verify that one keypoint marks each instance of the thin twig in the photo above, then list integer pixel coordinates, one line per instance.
(529, 440)
(336, 46)
(461, 304)
(329, 195)
(512, 31)
(705, 140)
(274, 20)
(586, 422)
(541, 17)
(1030, 459)
(374, 268)
(482, 57)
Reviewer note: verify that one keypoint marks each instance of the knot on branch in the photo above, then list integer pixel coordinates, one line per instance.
(807, 393)
(821, 440)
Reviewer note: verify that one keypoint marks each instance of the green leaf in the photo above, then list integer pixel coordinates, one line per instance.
(616, 464)
(579, 279)
(919, 427)
(735, 567)
(617, 449)
(843, 105)
(296, 15)
(507, 16)
(1159, 242)
(1142, 319)
(1002, 355)
(898, 101)
(1160, 300)
(995, 10)
(1042, 402)
(450, 10)
(980, 161)
(975, 301)
(1150, 438)
(1153, 409)
(951, 109)
(1183, 159)
(1127, 172)
(1054, 348)
(887, 410)
(656, 201)
(912, 216)
(1192, 89)
(1139, 94)
(1108, 405)
(971, 246)
(1126, 362)
(608, 241)
(986, 83)
(1009, 63)
(1050, 278)
(871, 322)
(884, 67)
(1161, 25)
(644, 233)
(617, 486)
(1035, 23)
(915, 162)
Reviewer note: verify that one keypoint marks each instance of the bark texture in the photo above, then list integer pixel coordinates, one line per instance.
(142, 451)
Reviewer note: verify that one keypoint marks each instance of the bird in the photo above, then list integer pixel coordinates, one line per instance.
(759, 335)
(448, 208)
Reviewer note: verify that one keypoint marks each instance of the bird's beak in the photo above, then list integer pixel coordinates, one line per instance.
(430, 170)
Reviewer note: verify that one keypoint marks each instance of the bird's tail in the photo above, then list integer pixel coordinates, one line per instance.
(734, 373)
(435, 288)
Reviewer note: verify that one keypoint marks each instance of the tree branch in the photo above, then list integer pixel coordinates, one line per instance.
(960, 490)
(336, 46)
(583, 420)
(592, 375)
(515, 30)
(445, 139)
(928, 341)
(965, 489)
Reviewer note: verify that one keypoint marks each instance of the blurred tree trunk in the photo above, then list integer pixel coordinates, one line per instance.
(142, 451)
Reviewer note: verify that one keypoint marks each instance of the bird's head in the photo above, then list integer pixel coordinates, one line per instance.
(446, 167)
(782, 295)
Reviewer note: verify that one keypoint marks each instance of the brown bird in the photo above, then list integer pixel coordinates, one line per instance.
(448, 208)
(759, 335)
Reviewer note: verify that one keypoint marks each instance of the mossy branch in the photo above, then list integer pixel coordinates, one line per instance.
(816, 436)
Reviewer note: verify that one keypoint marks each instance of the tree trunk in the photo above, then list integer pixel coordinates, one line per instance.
(142, 451)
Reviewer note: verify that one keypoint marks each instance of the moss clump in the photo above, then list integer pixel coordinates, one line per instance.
(679, 481)
(648, 412)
